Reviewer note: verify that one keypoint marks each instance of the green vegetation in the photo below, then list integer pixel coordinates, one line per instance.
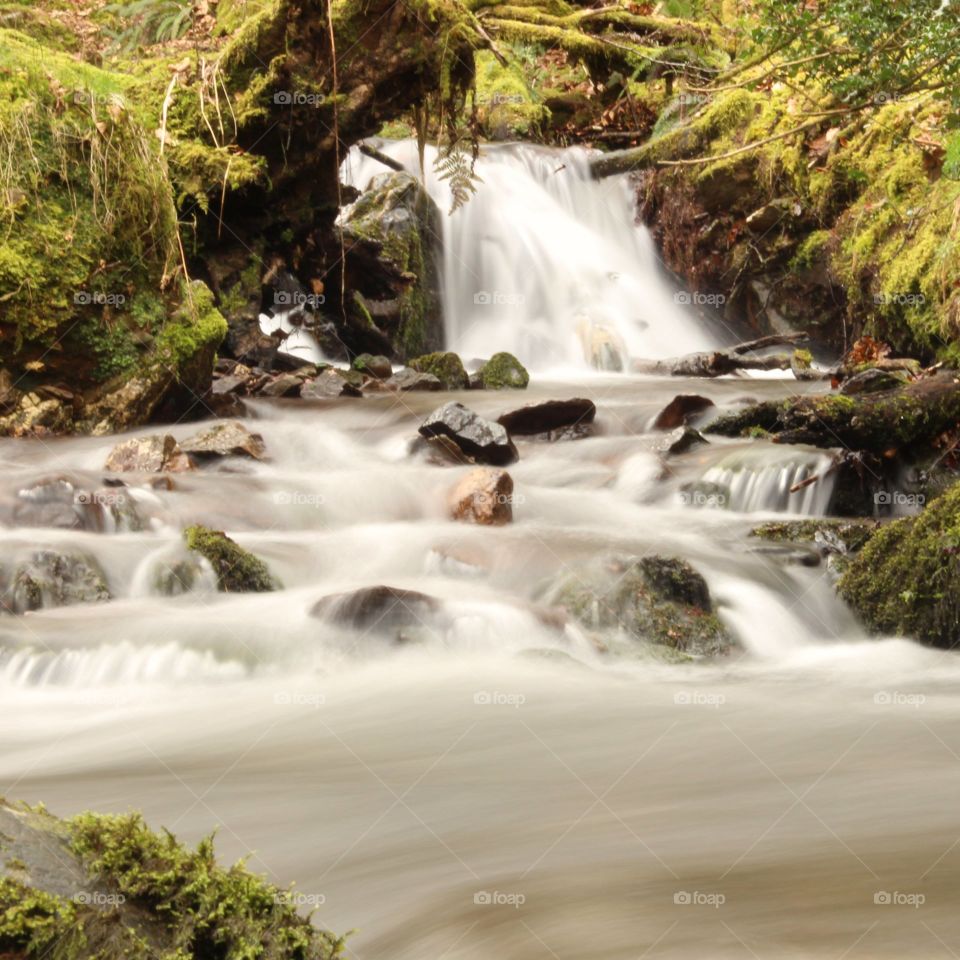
(446, 367)
(503, 371)
(237, 570)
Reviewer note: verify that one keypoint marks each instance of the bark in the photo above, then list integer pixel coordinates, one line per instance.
(718, 363)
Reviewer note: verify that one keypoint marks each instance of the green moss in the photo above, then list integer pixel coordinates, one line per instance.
(503, 371)
(906, 580)
(237, 570)
(187, 343)
(853, 534)
(507, 105)
(811, 249)
(446, 367)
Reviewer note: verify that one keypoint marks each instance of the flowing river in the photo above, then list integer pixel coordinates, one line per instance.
(498, 787)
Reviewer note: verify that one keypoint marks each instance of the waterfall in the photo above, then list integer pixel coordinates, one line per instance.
(548, 264)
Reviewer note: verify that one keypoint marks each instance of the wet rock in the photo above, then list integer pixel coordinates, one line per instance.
(503, 371)
(49, 578)
(381, 609)
(681, 410)
(552, 420)
(408, 379)
(873, 381)
(153, 454)
(657, 603)
(483, 496)
(446, 367)
(391, 233)
(284, 385)
(237, 570)
(179, 577)
(378, 367)
(328, 386)
(48, 503)
(789, 555)
(680, 441)
(231, 377)
(230, 439)
(482, 440)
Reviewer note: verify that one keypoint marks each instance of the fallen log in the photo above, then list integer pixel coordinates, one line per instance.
(718, 363)
(895, 421)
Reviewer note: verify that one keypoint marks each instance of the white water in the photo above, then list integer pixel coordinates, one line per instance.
(604, 803)
(548, 264)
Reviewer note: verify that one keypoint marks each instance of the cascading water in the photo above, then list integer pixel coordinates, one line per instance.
(548, 264)
(499, 783)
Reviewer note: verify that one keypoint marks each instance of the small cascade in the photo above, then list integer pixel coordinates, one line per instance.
(548, 264)
(113, 664)
(760, 480)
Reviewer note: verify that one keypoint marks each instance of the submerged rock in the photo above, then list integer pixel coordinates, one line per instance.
(652, 601)
(483, 496)
(552, 420)
(49, 578)
(237, 570)
(379, 609)
(230, 439)
(481, 440)
(106, 886)
(503, 371)
(680, 441)
(153, 454)
(680, 410)
(446, 367)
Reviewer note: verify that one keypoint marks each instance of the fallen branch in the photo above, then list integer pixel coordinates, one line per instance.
(718, 363)
(380, 157)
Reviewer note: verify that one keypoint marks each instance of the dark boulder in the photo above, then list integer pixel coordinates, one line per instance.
(680, 410)
(379, 609)
(552, 420)
(378, 367)
(481, 440)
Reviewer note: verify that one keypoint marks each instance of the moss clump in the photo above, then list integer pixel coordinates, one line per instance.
(906, 579)
(446, 367)
(503, 371)
(187, 343)
(208, 911)
(507, 106)
(658, 601)
(237, 570)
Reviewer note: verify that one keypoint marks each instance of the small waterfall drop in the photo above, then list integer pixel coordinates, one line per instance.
(548, 264)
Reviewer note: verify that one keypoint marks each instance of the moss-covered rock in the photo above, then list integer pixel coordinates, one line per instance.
(654, 603)
(446, 367)
(503, 371)
(237, 570)
(906, 579)
(396, 223)
(50, 578)
(106, 886)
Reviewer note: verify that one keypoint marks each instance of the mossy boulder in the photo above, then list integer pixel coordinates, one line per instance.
(446, 367)
(503, 371)
(658, 605)
(395, 228)
(90, 268)
(107, 886)
(906, 579)
(237, 570)
(51, 578)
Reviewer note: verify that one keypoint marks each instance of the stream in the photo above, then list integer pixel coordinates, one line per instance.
(499, 787)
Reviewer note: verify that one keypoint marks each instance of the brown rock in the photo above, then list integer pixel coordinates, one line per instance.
(680, 410)
(483, 496)
(554, 415)
(229, 439)
(148, 455)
